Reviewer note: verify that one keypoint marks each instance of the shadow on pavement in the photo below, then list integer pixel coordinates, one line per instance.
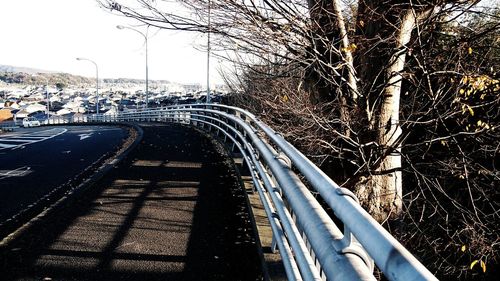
(173, 210)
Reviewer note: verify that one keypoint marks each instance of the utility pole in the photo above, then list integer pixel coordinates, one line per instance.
(208, 52)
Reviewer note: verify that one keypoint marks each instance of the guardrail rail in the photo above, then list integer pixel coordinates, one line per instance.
(312, 245)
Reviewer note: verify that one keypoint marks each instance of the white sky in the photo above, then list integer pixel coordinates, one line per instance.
(50, 34)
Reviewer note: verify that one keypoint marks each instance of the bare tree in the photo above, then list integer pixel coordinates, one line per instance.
(380, 94)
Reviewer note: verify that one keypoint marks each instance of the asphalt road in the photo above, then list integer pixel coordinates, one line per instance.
(172, 210)
(35, 161)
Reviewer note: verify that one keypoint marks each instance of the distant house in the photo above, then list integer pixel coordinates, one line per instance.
(191, 88)
(35, 97)
(64, 112)
(112, 111)
(40, 115)
(11, 104)
(56, 105)
(73, 106)
(5, 114)
(35, 107)
(23, 113)
(54, 98)
(17, 94)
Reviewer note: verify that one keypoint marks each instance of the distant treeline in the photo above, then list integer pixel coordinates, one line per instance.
(62, 79)
(42, 78)
(131, 81)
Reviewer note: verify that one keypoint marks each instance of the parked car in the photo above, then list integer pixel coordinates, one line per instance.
(30, 122)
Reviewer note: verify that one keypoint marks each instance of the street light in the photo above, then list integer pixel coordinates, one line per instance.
(47, 95)
(146, 42)
(97, 82)
(208, 52)
(48, 100)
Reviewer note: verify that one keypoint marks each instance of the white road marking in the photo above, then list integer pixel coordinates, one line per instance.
(19, 172)
(3, 145)
(95, 130)
(85, 136)
(32, 137)
(81, 131)
(14, 140)
(29, 138)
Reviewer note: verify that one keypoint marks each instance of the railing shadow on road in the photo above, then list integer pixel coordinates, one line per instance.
(172, 211)
(311, 243)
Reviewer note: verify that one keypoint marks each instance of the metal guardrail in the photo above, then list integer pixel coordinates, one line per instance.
(7, 126)
(53, 120)
(312, 246)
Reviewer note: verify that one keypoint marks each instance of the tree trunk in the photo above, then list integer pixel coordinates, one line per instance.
(332, 46)
(382, 192)
(331, 78)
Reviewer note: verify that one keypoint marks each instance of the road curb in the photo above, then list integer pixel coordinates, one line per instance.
(82, 187)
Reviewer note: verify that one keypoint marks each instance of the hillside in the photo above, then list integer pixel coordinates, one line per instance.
(31, 76)
(42, 78)
(28, 70)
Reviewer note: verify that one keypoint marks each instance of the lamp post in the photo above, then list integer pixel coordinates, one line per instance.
(208, 52)
(47, 95)
(97, 82)
(48, 100)
(146, 43)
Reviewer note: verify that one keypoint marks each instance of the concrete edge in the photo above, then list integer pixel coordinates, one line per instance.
(72, 195)
(257, 234)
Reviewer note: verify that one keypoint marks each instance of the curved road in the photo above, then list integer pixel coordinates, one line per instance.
(174, 209)
(34, 161)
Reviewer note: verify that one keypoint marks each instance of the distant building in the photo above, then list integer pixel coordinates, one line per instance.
(192, 88)
(5, 114)
(35, 107)
(23, 113)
